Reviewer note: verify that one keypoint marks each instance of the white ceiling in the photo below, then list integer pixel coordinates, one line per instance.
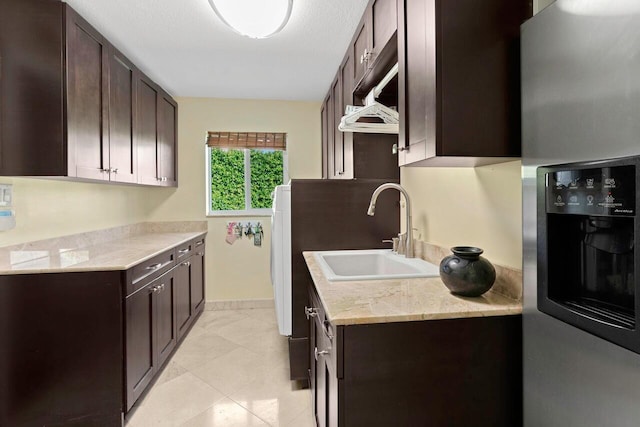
(183, 45)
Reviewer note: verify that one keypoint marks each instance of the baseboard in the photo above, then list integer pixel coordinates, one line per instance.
(239, 304)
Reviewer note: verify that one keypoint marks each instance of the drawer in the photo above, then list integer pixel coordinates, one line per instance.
(143, 273)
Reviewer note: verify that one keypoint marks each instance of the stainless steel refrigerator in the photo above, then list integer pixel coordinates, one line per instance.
(581, 103)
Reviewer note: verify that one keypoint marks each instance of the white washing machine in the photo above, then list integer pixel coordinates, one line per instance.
(281, 256)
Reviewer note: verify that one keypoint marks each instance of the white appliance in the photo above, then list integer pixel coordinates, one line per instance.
(281, 256)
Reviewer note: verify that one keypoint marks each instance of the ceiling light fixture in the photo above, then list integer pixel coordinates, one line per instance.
(257, 19)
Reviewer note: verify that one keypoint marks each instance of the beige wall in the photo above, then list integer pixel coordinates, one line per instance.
(241, 270)
(47, 208)
(469, 206)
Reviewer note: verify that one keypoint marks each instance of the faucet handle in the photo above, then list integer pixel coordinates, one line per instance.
(394, 243)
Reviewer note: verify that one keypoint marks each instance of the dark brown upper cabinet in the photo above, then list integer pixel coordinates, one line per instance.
(459, 81)
(157, 115)
(371, 40)
(87, 100)
(167, 140)
(122, 118)
(324, 120)
(348, 155)
(69, 101)
(329, 108)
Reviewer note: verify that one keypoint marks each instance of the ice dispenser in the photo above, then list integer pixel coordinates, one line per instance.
(587, 229)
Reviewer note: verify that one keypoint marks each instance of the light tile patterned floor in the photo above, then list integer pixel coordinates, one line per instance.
(230, 371)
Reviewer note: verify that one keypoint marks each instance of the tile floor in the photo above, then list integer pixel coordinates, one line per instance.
(232, 370)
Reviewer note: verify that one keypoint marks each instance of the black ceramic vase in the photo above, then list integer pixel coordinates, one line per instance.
(466, 273)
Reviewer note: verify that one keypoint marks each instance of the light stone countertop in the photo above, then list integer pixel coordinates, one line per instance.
(118, 248)
(401, 300)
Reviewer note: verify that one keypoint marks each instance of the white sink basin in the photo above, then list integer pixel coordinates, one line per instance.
(372, 264)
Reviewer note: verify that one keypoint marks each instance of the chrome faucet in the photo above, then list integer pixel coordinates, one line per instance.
(372, 210)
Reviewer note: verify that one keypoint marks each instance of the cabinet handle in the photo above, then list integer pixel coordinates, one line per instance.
(395, 148)
(154, 266)
(199, 254)
(366, 57)
(184, 251)
(317, 353)
(162, 287)
(199, 243)
(326, 327)
(105, 170)
(310, 312)
(186, 263)
(155, 289)
(113, 170)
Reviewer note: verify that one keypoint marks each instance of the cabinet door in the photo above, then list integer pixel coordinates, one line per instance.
(331, 170)
(346, 98)
(87, 100)
(361, 47)
(165, 306)
(324, 119)
(197, 279)
(183, 296)
(140, 354)
(384, 22)
(321, 374)
(167, 140)
(338, 142)
(122, 148)
(147, 135)
(417, 80)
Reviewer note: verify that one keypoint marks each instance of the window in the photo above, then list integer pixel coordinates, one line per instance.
(241, 175)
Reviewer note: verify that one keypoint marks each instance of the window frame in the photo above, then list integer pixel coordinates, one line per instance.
(247, 185)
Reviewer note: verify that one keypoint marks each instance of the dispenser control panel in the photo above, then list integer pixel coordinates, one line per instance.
(594, 191)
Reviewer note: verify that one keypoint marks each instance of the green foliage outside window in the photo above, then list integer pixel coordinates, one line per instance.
(266, 173)
(228, 178)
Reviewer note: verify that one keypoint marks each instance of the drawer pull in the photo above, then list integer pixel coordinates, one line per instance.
(157, 288)
(310, 312)
(154, 266)
(186, 263)
(317, 353)
(184, 251)
(201, 242)
(199, 253)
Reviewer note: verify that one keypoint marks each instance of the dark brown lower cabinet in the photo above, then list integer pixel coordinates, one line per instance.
(197, 279)
(452, 372)
(190, 282)
(150, 323)
(183, 296)
(160, 314)
(78, 349)
(61, 349)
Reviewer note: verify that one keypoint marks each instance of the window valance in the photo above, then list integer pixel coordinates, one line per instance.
(274, 141)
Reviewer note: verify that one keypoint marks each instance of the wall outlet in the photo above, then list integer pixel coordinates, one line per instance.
(6, 195)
